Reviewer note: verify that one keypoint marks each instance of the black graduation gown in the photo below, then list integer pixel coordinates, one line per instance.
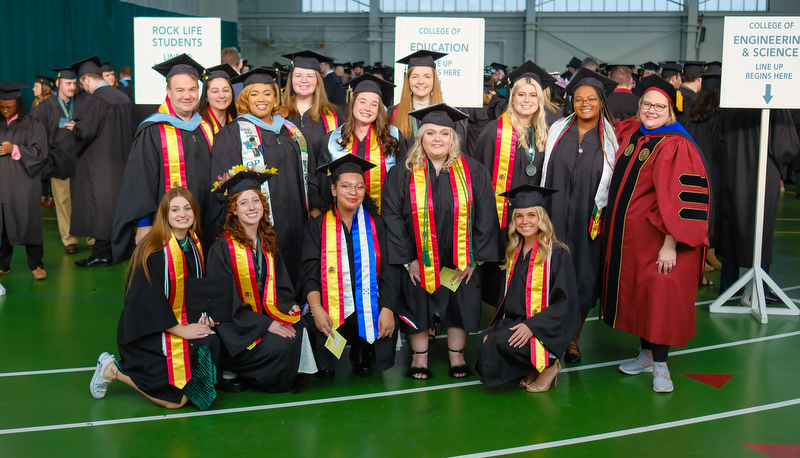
(286, 188)
(334, 89)
(273, 363)
(741, 136)
(143, 184)
(311, 280)
(498, 362)
(60, 140)
(314, 131)
(146, 315)
(577, 176)
(20, 181)
(103, 133)
(623, 105)
(689, 96)
(460, 309)
(708, 137)
(475, 124)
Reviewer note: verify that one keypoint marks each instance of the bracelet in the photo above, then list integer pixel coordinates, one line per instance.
(407, 265)
(314, 305)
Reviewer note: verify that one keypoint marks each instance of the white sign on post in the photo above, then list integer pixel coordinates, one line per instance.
(761, 56)
(157, 39)
(461, 70)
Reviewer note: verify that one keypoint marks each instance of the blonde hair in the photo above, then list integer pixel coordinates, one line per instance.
(243, 104)
(671, 119)
(546, 236)
(417, 158)
(319, 99)
(403, 121)
(539, 122)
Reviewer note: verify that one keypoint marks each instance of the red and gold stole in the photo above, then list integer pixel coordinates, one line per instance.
(374, 154)
(331, 263)
(216, 126)
(330, 120)
(244, 272)
(425, 223)
(535, 298)
(504, 152)
(172, 148)
(177, 348)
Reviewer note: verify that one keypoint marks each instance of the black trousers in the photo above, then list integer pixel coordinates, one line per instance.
(35, 254)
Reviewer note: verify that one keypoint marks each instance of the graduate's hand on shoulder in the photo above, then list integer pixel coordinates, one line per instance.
(522, 335)
(385, 323)
(280, 329)
(141, 232)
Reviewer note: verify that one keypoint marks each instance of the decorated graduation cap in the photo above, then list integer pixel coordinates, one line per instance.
(106, 66)
(422, 58)
(240, 178)
(46, 81)
(574, 62)
(88, 65)
(657, 83)
(258, 75)
(586, 77)
(692, 68)
(179, 65)
(367, 83)
(652, 66)
(533, 71)
(65, 73)
(307, 59)
(220, 71)
(349, 163)
(440, 114)
(9, 90)
(527, 196)
(670, 69)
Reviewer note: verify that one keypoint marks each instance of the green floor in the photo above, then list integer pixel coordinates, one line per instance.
(51, 333)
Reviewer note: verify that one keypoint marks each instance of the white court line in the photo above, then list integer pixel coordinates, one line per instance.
(788, 219)
(639, 430)
(355, 397)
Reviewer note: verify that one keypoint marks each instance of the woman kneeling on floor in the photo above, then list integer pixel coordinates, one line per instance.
(538, 316)
(164, 357)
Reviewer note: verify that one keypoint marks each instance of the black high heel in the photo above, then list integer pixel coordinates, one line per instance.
(414, 371)
(461, 369)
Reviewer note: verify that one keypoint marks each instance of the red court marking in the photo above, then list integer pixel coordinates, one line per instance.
(775, 450)
(715, 380)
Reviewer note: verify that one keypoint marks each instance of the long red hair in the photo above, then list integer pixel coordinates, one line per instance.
(234, 228)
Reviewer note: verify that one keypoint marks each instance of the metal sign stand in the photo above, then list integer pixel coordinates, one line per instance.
(753, 298)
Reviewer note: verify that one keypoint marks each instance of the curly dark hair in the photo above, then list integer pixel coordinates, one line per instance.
(326, 201)
(705, 106)
(234, 228)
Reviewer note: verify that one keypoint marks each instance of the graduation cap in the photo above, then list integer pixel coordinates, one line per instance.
(367, 83)
(527, 196)
(422, 58)
(359, 64)
(245, 63)
(440, 114)
(179, 65)
(240, 178)
(349, 163)
(64, 73)
(106, 67)
(657, 83)
(9, 90)
(220, 71)
(307, 59)
(691, 68)
(46, 81)
(714, 67)
(347, 66)
(574, 62)
(670, 69)
(533, 71)
(652, 66)
(586, 77)
(88, 65)
(258, 75)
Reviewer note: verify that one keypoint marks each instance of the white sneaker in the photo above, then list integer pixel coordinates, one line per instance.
(641, 363)
(99, 384)
(662, 383)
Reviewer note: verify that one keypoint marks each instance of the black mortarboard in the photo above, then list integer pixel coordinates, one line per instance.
(574, 63)
(692, 68)
(359, 64)
(9, 90)
(106, 67)
(670, 69)
(179, 65)
(657, 83)
(307, 59)
(347, 65)
(349, 163)
(220, 71)
(65, 73)
(652, 66)
(422, 58)
(498, 66)
(586, 77)
(367, 83)
(527, 196)
(88, 65)
(531, 70)
(440, 114)
(245, 63)
(46, 81)
(243, 181)
(714, 67)
(258, 75)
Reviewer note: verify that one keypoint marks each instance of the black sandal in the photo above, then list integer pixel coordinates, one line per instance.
(461, 369)
(414, 371)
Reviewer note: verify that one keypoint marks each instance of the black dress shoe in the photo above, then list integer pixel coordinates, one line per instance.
(326, 374)
(92, 261)
(771, 298)
(71, 249)
(234, 385)
(362, 364)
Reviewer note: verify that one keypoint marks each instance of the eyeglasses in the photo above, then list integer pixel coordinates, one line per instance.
(659, 107)
(347, 187)
(590, 100)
